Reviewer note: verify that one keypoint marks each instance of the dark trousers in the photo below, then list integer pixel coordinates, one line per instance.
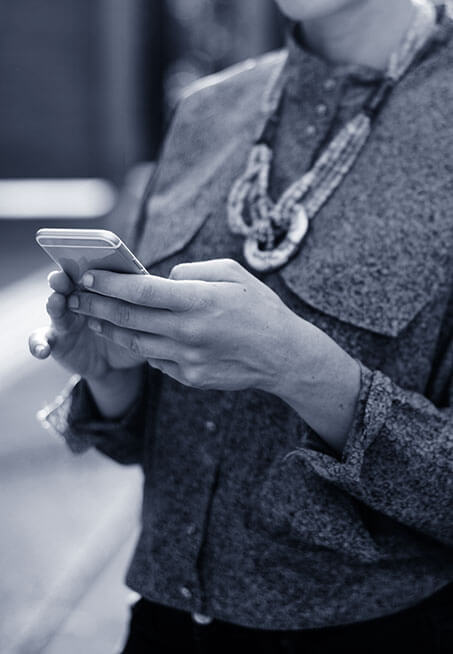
(425, 628)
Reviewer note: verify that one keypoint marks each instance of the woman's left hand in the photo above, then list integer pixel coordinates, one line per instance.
(211, 325)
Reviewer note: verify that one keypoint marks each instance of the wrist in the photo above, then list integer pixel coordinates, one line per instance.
(321, 383)
(114, 377)
(298, 359)
(116, 391)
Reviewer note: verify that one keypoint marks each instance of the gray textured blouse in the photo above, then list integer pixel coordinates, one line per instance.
(248, 516)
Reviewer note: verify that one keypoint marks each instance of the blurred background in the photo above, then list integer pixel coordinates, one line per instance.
(87, 89)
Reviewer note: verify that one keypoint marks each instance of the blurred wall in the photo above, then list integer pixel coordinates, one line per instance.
(85, 83)
(204, 36)
(73, 86)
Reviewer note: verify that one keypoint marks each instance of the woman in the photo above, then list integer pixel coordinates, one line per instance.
(285, 377)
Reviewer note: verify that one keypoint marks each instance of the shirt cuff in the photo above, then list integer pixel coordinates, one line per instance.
(373, 405)
(74, 416)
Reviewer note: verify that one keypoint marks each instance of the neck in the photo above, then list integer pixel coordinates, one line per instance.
(365, 32)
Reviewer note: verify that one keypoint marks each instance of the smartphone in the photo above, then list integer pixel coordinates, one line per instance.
(77, 250)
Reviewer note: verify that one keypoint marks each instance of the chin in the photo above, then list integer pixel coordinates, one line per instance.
(300, 10)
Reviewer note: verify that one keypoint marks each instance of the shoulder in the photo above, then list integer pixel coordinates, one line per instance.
(241, 75)
(235, 86)
(432, 77)
(219, 109)
(420, 116)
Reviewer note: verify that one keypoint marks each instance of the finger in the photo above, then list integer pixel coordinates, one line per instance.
(214, 270)
(56, 307)
(147, 346)
(125, 314)
(170, 368)
(60, 282)
(40, 342)
(148, 290)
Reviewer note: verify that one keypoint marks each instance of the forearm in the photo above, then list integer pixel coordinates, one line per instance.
(321, 383)
(117, 392)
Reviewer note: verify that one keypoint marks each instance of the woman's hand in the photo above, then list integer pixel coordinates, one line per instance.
(211, 325)
(71, 343)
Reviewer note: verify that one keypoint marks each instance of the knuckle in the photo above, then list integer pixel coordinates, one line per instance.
(204, 300)
(87, 302)
(234, 268)
(108, 330)
(145, 293)
(190, 332)
(194, 376)
(233, 265)
(193, 356)
(176, 271)
(54, 303)
(49, 303)
(172, 327)
(123, 315)
(135, 344)
(57, 280)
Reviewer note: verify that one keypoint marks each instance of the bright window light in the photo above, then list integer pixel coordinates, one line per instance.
(56, 198)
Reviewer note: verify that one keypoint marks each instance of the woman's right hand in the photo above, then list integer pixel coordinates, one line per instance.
(70, 341)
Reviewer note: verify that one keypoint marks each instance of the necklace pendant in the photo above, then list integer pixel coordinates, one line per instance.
(266, 260)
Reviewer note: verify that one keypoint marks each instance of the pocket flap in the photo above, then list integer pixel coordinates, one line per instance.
(377, 273)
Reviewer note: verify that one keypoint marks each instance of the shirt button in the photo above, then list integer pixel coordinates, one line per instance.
(210, 426)
(321, 109)
(199, 618)
(311, 130)
(191, 529)
(329, 84)
(185, 592)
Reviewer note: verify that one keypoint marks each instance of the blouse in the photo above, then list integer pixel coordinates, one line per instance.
(248, 515)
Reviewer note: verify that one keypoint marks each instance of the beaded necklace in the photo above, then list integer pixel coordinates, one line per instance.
(274, 231)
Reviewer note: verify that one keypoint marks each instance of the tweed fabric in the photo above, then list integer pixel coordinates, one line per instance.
(247, 514)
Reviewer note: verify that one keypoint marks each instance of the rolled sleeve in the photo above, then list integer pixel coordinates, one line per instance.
(372, 409)
(74, 416)
(398, 457)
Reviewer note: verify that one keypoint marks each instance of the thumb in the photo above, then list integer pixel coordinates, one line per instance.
(213, 270)
(41, 342)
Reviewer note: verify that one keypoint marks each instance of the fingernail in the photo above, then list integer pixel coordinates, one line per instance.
(40, 350)
(95, 325)
(73, 302)
(88, 280)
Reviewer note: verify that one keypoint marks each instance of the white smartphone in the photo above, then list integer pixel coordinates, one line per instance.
(77, 250)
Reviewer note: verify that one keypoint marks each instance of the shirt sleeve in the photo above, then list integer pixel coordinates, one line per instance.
(398, 458)
(74, 416)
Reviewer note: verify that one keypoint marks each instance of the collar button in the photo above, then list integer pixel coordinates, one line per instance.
(329, 84)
